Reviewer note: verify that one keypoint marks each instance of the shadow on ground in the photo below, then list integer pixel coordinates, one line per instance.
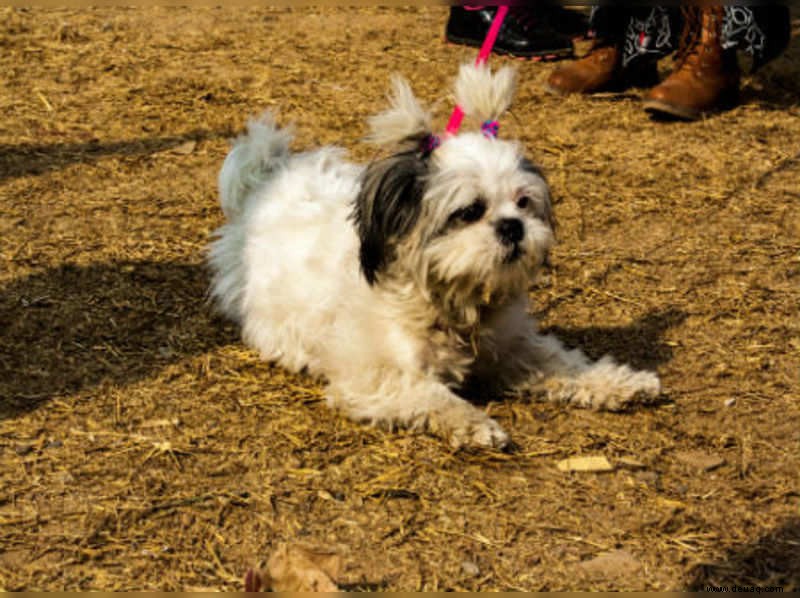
(70, 328)
(639, 344)
(772, 560)
(17, 160)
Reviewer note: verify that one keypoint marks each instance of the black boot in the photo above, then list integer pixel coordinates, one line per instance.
(469, 26)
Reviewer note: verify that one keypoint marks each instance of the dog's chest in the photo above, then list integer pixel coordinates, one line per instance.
(448, 353)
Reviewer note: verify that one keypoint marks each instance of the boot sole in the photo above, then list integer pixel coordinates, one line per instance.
(612, 87)
(659, 107)
(620, 84)
(727, 101)
(558, 92)
(543, 56)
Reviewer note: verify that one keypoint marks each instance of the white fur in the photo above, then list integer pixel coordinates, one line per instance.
(482, 94)
(405, 123)
(264, 149)
(449, 308)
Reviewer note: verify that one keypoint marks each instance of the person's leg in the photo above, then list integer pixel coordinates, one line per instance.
(549, 13)
(706, 76)
(627, 45)
(762, 31)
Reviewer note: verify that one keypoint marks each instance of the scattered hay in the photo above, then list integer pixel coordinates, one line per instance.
(144, 448)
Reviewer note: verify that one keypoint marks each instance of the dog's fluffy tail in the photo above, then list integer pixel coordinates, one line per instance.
(255, 157)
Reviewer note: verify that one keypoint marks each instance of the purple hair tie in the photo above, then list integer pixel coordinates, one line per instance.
(490, 128)
(429, 143)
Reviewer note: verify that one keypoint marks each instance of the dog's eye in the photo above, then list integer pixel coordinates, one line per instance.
(471, 213)
(523, 202)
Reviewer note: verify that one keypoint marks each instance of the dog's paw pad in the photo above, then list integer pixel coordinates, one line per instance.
(636, 387)
(649, 385)
(640, 387)
(606, 386)
(481, 432)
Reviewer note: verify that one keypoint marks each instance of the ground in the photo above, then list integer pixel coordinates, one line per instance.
(143, 446)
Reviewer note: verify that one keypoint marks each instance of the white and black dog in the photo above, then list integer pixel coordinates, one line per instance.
(406, 281)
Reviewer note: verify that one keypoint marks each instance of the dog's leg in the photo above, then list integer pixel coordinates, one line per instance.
(521, 359)
(421, 403)
(568, 376)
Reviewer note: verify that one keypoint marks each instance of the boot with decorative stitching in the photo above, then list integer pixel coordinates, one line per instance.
(601, 69)
(706, 76)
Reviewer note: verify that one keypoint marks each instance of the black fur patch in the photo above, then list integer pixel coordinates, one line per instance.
(543, 211)
(387, 208)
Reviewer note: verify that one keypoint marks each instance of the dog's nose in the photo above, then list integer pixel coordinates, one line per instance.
(510, 230)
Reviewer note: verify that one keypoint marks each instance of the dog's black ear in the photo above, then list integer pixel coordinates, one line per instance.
(545, 209)
(387, 208)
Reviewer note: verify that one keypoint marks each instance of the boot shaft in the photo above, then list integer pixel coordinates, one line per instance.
(700, 47)
(706, 75)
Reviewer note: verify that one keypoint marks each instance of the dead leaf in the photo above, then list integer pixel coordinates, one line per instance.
(470, 569)
(185, 148)
(615, 564)
(325, 495)
(700, 459)
(585, 464)
(297, 568)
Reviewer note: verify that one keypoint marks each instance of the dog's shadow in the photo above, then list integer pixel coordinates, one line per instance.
(26, 159)
(640, 344)
(70, 328)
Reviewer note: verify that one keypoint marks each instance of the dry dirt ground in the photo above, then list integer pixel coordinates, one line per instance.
(144, 447)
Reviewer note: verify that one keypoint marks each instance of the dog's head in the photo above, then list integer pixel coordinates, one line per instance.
(470, 216)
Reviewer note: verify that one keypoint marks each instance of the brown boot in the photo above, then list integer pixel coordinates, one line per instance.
(600, 70)
(706, 77)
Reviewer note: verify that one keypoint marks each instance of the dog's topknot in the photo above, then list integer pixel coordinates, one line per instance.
(484, 95)
(405, 124)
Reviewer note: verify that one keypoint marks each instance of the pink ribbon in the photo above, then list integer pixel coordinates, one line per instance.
(486, 49)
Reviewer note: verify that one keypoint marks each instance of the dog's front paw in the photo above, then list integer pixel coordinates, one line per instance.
(638, 388)
(468, 426)
(608, 386)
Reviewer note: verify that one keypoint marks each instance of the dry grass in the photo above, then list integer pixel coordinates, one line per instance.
(143, 447)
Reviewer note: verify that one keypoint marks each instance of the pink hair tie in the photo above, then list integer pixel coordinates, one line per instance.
(488, 43)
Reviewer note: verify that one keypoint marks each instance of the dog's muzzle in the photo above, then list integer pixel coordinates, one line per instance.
(511, 231)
